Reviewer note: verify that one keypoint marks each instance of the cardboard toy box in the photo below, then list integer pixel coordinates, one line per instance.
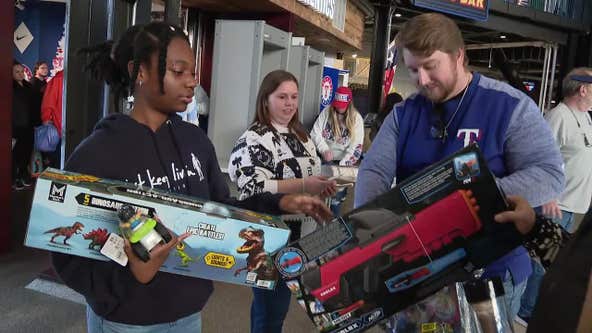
(429, 231)
(442, 312)
(73, 213)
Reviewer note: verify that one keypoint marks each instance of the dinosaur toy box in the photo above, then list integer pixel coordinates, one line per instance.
(431, 230)
(75, 214)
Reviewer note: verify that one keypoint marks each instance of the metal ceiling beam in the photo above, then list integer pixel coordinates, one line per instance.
(366, 7)
(471, 35)
(523, 29)
(515, 25)
(513, 60)
(494, 72)
(505, 45)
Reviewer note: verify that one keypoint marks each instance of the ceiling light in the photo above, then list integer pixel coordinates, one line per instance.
(355, 55)
(398, 15)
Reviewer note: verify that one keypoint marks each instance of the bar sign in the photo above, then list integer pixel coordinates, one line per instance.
(472, 9)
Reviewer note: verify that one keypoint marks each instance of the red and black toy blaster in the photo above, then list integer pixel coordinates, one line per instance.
(384, 239)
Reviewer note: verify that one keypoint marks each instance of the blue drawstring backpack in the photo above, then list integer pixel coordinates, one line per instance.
(46, 138)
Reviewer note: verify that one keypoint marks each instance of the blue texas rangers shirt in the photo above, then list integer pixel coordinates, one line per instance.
(510, 130)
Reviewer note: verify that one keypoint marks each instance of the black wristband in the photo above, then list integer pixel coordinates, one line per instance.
(536, 229)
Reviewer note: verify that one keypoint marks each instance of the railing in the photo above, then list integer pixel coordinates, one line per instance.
(566, 8)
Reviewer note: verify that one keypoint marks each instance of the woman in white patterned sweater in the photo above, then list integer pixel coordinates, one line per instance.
(276, 155)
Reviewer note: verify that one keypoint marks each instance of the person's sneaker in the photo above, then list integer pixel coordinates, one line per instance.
(18, 185)
(522, 320)
(27, 181)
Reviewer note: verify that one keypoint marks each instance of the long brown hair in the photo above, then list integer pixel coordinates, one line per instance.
(269, 84)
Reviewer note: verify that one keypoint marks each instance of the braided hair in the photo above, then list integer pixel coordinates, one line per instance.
(108, 61)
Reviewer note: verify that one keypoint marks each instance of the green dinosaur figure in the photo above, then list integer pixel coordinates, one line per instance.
(185, 259)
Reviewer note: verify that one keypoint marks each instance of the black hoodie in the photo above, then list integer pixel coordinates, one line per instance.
(22, 107)
(178, 157)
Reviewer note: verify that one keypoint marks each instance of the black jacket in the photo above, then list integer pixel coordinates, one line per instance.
(178, 157)
(37, 90)
(22, 106)
(563, 292)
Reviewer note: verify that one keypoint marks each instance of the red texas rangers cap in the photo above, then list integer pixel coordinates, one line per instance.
(342, 98)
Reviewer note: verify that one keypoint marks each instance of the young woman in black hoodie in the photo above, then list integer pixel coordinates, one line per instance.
(153, 147)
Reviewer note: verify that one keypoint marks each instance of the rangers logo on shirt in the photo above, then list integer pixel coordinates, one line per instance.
(469, 135)
(326, 90)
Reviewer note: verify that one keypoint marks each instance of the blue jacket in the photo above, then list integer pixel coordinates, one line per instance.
(510, 130)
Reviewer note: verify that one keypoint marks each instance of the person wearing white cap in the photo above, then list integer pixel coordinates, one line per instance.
(571, 126)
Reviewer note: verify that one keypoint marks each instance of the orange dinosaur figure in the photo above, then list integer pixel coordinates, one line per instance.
(258, 260)
(67, 232)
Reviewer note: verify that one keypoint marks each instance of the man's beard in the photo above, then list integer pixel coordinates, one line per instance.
(445, 91)
(436, 96)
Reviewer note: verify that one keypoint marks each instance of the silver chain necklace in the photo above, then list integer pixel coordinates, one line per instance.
(442, 133)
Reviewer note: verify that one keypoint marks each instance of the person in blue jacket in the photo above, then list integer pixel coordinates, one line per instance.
(152, 147)
(453, 109)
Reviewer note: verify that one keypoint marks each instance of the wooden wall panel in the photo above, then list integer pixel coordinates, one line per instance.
(6, 36)
(354, 23)
(315, 27)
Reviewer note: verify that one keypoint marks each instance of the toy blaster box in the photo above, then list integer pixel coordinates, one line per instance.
(75, 214)
(431, 230)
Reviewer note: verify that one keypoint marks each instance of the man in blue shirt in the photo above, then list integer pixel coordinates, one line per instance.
(454, 108)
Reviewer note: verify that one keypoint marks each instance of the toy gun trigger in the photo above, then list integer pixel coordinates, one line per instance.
(371, 273)
(372, 279)
(386, 247)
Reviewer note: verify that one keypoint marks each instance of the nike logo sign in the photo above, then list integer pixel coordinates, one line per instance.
(21, 37)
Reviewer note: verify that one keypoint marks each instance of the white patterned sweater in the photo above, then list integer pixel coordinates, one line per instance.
(261, 157)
